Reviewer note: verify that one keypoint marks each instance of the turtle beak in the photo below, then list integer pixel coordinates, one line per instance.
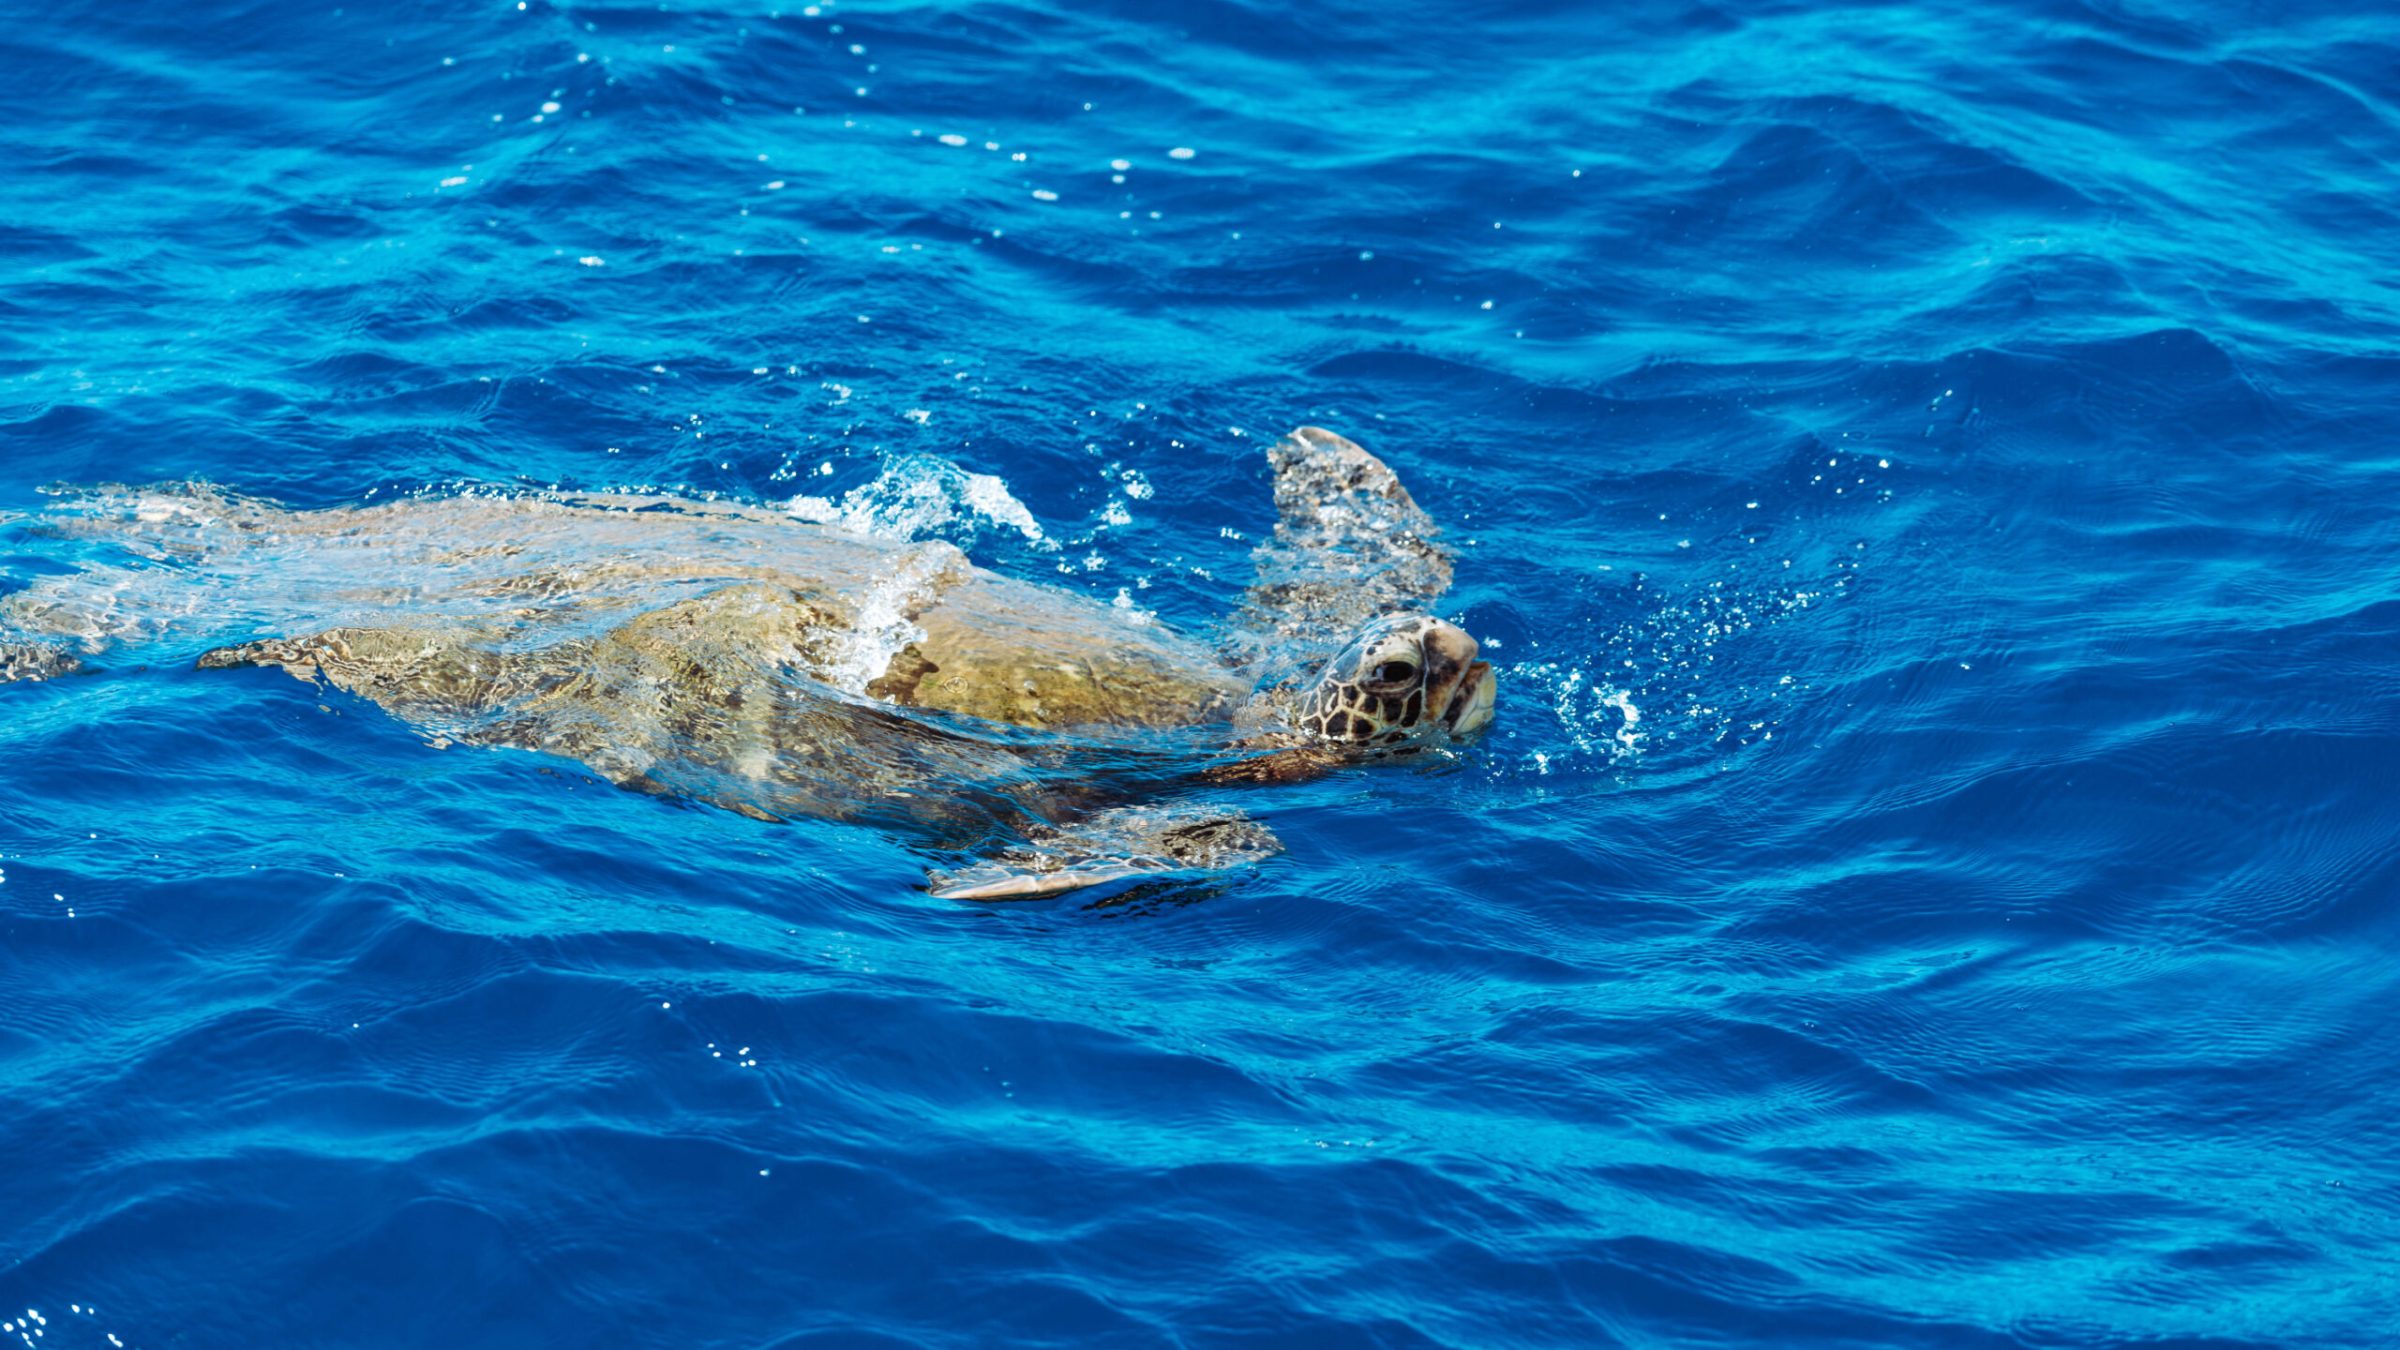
(1456, 682)
(1471, 707)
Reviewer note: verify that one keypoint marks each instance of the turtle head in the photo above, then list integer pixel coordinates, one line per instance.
(1402, 678)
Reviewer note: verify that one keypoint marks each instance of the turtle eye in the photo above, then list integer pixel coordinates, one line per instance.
(1395, 672)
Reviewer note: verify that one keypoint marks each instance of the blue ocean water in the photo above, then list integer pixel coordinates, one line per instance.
(1925, 473)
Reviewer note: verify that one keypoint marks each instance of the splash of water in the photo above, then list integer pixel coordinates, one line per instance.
(921, 497)
(1598, 721)
(883, 626)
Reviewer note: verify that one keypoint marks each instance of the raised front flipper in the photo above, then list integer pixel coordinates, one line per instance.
(1116, 845)
(1349, 544)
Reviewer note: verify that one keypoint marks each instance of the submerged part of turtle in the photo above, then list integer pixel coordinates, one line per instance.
(779, 667)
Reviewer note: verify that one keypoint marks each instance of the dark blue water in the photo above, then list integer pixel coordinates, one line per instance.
(1927, 475)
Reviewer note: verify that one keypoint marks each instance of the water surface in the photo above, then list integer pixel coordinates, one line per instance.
(1924, 472)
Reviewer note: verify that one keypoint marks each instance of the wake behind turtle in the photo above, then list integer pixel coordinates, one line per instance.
(777, 667)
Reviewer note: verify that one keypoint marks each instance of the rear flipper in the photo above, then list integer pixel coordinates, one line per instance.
(1130, 841)
(35, 661)
(433, 677)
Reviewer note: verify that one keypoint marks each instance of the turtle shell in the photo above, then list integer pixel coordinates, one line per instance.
(1009, 651)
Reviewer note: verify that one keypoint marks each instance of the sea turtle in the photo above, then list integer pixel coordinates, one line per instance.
(737, 655)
